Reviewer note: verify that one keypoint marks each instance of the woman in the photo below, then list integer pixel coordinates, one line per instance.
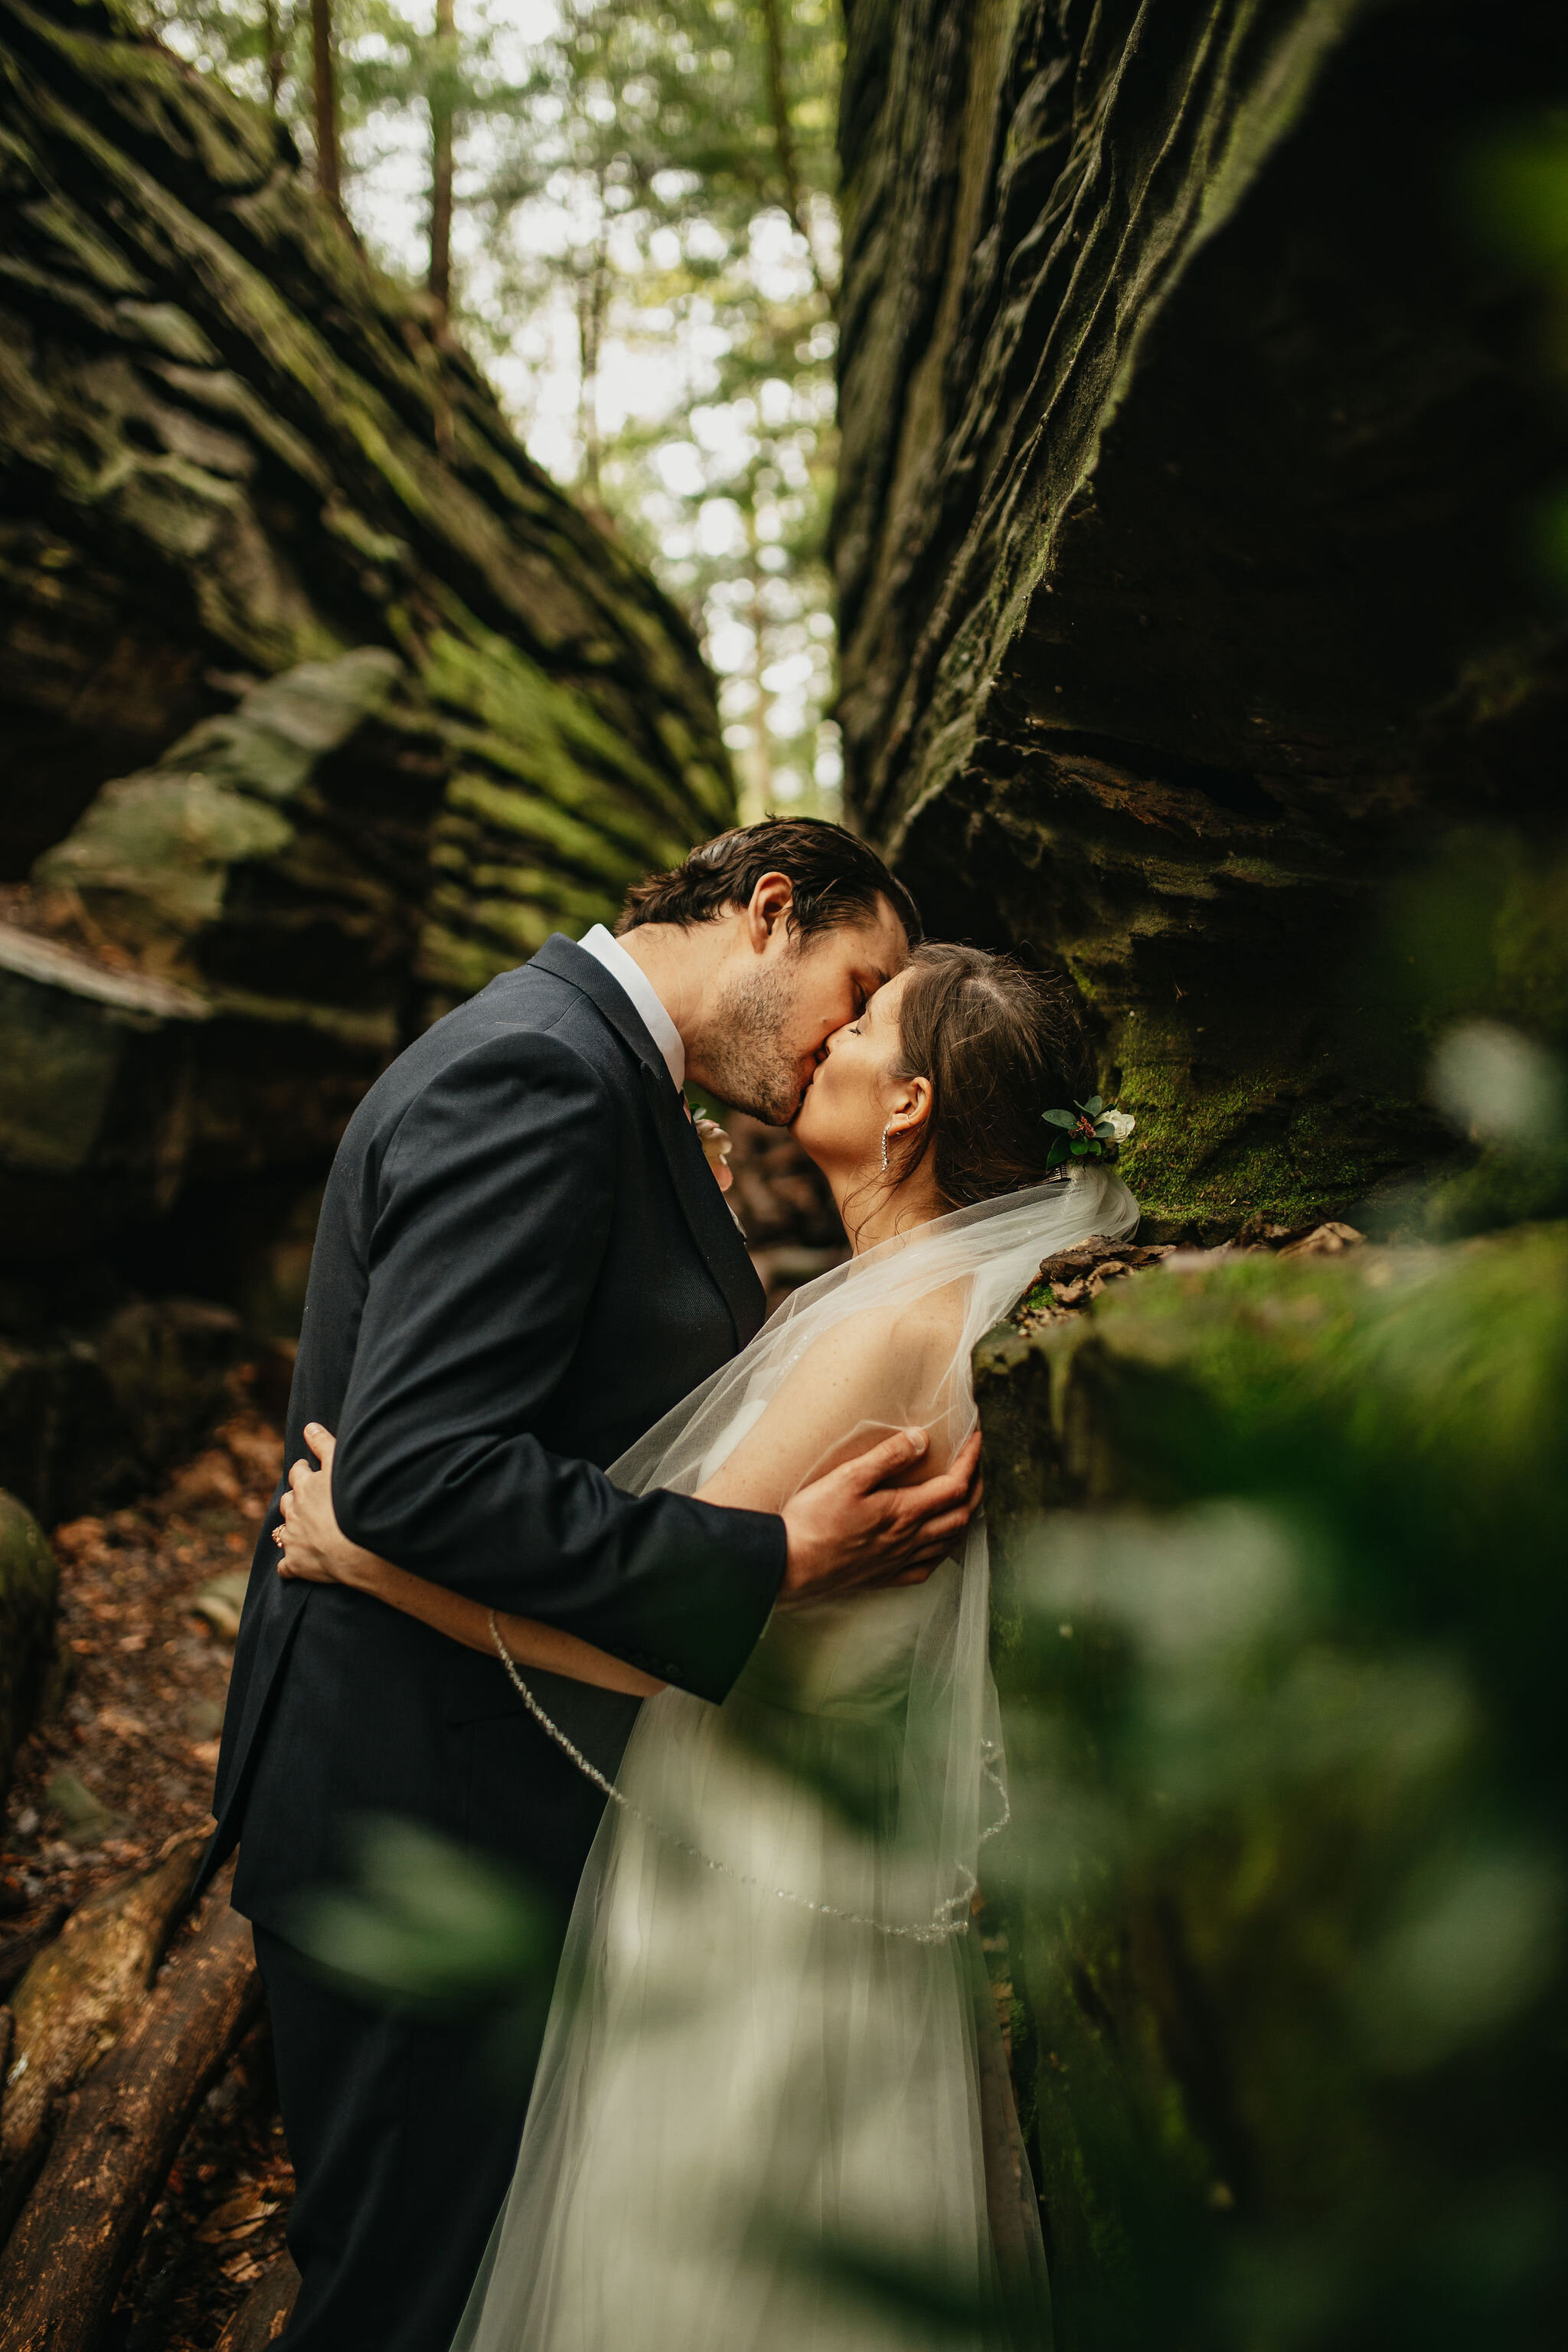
(760, 2083)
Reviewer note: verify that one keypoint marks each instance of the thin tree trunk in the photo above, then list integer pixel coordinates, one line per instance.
(783, 146)
(329, 171)
(275, 54)
(759, 760)
(441, 163)
(593, 296)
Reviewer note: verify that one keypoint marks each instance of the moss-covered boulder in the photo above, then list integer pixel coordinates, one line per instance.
(1189, 436)
(29, 1583)
(229, 447)
(1281, 1614)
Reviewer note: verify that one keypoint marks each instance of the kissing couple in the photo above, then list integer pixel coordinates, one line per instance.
(683, 1613)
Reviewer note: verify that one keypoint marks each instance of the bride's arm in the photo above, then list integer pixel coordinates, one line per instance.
(319, 1553)
(527, 1642)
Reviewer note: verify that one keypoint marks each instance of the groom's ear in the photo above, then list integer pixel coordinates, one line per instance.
(768, 909)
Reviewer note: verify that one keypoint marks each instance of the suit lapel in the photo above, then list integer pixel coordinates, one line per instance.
(713, 1229)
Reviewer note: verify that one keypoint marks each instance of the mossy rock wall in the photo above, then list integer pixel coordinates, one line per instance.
(1281, 1606)
(1190, 446)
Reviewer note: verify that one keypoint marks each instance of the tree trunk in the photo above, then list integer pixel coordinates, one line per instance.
(77, 2233)
(276, 54)
(593, 294)
(783, 142)
(329, 168)
(441, 130)
(1168, 580)
(760, 753)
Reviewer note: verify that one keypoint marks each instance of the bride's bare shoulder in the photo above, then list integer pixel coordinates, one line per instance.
(908, 1337)
(878, 1368)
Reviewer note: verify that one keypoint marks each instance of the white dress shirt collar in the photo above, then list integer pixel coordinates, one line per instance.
(645, 1000)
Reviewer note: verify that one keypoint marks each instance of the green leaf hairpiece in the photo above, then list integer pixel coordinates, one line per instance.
(1089, 1131)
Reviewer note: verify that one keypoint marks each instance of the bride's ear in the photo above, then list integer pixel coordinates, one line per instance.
(909, 1107)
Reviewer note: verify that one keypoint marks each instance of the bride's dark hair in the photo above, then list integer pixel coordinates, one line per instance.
(1001, 1046)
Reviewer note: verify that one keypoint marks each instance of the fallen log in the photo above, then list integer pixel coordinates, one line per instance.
(81, 1993)
(117, 2138)
(18, 1952)
(265, 2313)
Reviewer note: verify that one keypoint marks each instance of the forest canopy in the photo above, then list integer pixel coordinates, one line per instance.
(628, 216)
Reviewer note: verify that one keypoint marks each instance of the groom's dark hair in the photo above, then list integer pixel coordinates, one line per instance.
(836, 879)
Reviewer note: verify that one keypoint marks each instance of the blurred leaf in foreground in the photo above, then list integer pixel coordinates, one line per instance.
(1289, 1766)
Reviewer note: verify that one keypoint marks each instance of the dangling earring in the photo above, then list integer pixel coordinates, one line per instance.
(886, 1132)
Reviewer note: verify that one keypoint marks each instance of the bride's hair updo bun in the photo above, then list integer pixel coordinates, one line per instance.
(1001, 1046)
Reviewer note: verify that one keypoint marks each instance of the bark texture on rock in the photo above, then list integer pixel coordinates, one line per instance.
(1186, 440)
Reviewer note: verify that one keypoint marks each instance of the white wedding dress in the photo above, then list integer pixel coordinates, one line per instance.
(757, 2121)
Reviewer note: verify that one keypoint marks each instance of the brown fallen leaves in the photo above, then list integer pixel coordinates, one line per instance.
(1070, 1280)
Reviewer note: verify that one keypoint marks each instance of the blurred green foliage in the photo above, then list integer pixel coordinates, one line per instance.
(421, 1923)
(1471, 969)
(1289, 1766)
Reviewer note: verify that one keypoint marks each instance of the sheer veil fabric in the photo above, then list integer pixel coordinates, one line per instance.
(760, 2082)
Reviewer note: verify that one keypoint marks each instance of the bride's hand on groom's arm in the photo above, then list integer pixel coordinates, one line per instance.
(854, 1529)
(314, 1548)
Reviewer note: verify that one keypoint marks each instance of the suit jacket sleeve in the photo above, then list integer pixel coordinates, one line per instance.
(486, 1225)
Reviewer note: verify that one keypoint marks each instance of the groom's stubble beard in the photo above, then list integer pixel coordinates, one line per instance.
(746, 1061)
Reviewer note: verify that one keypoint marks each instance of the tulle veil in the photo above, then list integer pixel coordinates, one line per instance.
(740, 1952)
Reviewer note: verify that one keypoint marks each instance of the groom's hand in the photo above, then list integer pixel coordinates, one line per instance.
(854, 1528)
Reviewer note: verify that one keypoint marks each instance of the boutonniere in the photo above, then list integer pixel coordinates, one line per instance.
(716, 1148)
(1089, 1131)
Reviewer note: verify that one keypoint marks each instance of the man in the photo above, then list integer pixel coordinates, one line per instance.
(522, 1261)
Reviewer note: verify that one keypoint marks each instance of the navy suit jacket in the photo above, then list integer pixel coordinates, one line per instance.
(522, 1261)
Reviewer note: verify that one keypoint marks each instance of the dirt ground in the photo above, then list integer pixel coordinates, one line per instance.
(123, 1760)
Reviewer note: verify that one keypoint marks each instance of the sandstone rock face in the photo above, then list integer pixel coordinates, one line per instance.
(1189, 446)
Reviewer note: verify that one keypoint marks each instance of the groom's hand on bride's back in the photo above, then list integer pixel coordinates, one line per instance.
(854, 1528)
